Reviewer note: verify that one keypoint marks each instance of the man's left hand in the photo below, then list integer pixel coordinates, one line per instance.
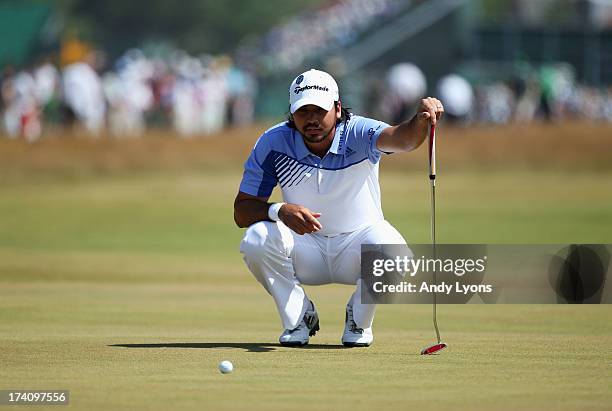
(430, 110)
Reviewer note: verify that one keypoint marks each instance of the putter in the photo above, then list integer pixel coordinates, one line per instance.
(432, 349)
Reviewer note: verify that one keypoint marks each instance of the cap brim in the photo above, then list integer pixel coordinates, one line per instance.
(325, 105)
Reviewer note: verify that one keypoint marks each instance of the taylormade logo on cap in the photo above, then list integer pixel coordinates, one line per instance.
(313, 87)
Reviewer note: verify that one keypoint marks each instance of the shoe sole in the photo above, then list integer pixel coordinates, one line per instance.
(351, 345)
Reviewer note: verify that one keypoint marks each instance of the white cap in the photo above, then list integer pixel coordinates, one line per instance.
(313, 87)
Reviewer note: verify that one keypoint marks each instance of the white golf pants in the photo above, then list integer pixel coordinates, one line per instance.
(282, 260)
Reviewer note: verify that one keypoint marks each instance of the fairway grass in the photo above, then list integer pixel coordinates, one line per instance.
(128, 290)
(130, 346)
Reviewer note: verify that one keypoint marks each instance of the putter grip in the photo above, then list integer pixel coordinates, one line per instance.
(432, 153)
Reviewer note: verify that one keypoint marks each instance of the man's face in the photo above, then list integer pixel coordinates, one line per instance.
(315, 123)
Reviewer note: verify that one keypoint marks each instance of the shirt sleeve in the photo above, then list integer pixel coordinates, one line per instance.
(369, 131)
(259, 177)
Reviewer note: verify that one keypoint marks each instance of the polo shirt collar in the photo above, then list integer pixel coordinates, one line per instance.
(338, 142)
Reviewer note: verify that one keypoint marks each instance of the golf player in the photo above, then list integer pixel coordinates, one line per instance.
(325, 161)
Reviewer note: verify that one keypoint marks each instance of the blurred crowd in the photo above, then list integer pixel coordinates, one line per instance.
(329, 28)
(202, 95)
(195, 95)
(548, 93)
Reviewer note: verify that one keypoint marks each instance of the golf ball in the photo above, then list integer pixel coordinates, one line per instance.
(226, 367)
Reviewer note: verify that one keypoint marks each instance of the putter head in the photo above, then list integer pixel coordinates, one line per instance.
(432, 349)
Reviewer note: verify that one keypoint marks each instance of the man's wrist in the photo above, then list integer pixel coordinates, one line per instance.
(273, 211)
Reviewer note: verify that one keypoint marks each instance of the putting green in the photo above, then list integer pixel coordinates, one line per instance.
(128, 290)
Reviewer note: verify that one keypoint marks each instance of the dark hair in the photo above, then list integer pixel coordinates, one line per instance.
(344, 117)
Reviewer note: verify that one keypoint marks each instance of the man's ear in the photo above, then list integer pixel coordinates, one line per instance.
(338, 109)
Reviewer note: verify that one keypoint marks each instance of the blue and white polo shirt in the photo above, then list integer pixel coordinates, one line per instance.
(342, 186)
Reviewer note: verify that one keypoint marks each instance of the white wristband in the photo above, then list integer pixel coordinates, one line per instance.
(273, 211)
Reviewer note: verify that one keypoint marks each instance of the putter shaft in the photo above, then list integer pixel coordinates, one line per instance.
(432, 178)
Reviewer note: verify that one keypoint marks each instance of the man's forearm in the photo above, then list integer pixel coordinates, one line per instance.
(249, 211)
(411, 133)
(406, 136)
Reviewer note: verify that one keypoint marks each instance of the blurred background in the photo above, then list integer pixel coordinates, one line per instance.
(122, 68)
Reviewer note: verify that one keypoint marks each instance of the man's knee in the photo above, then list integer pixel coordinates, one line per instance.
(383, 233)
(259, 239)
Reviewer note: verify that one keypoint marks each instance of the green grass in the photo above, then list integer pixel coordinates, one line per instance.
(92, 265)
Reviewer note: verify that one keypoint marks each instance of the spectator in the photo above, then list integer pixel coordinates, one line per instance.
(83, 94)
(458, 97)
(21, 113)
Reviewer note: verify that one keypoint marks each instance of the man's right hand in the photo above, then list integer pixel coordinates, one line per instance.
(299, 219)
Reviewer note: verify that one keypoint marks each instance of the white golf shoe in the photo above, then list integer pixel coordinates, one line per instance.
(301, 334)
(354, 336)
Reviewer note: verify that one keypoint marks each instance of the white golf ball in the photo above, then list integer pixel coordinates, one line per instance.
(226, 367)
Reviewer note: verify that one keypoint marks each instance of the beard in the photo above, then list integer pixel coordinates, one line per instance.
(318, 138)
